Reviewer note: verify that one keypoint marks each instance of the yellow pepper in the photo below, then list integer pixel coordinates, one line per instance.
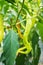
(1, 29)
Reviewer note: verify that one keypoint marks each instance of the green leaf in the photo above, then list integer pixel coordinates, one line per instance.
(40, 28)
(36, 48)
(20, 60)
(10, 1)
(10, 47)
(35, 39)
(23, 59)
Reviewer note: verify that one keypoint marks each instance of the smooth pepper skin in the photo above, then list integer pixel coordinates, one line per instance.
(1, 29)
(27, 45)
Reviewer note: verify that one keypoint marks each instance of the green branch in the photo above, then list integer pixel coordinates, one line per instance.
(20, 10)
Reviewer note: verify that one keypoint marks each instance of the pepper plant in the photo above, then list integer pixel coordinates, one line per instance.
(21, 28)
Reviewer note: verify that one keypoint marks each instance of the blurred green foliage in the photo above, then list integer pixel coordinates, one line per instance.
(12, 11)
